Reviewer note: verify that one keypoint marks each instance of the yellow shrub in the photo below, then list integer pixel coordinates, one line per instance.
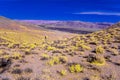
(99, 62)
(72, 68)
(63, 72)
(6, 56)
(32, 46)
(1, 52)
(57, 60)
(86, 47)
(16, 55)
(74, 48)
(10, 45)
(49, 48)
(45, 56)
(76, 68)
(27, 50)
(114, 51)
(51, 62)
(63, 59)
(81, 53)
(99, 49)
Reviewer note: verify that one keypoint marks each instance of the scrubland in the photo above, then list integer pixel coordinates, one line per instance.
(53, 55)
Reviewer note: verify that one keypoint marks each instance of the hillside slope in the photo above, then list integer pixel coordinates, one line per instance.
(14, 32)
(92, 56)
(25, 55)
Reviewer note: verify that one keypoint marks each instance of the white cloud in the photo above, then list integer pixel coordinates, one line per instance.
(99, 13)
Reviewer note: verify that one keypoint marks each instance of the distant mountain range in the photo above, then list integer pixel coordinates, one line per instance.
(69, 26)
(65, 26)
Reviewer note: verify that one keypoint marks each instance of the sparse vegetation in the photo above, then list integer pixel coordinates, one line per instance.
(84, 47)
(96, 59)
(75, 68)
(99, 50)
(63, 59)
(16, 55)
(51, 62)
(114, 51)
(54, 60)
(57, 60)
(7, 56)
(63, 72)
(45, 56)
(1, 52)
(24, 54)
(49, 48)
(99, 61)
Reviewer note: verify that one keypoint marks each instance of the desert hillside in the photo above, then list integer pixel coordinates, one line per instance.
(20, 33)
(31, 53)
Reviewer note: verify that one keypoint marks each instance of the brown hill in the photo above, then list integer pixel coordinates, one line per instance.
(6, 23)
(19, 32)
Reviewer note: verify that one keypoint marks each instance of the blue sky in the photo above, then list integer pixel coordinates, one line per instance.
(83, 10)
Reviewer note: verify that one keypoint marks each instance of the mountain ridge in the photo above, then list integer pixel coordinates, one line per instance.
(69, 24)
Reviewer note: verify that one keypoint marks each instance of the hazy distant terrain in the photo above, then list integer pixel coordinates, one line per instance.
(69, 26)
